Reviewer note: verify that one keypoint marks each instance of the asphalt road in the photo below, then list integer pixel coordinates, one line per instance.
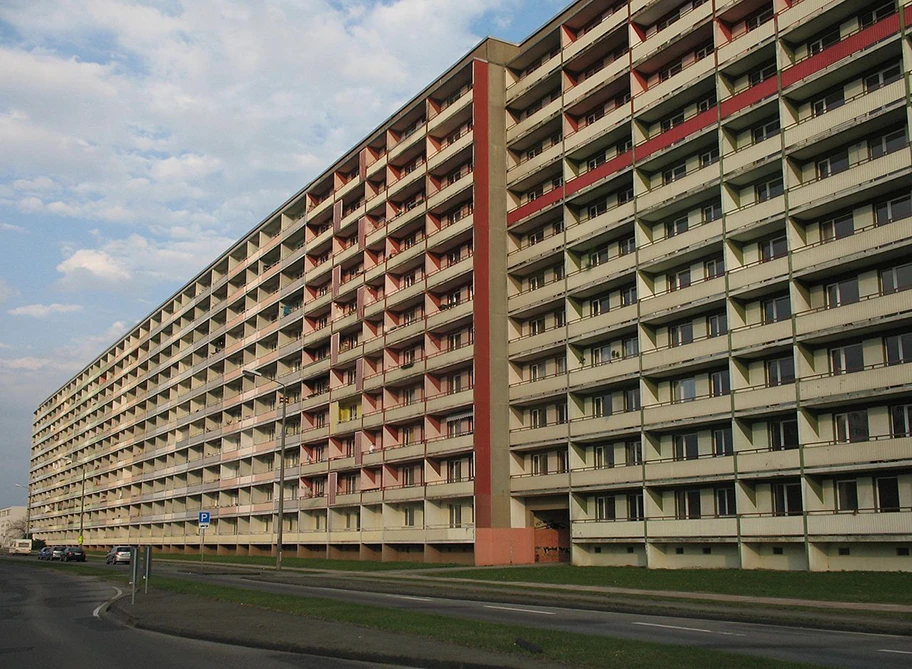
(826, 648)
(50, 619)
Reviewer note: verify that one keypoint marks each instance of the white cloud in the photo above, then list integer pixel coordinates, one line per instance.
(6, 291)
(91, 268)
(44, 310)
(9, 227)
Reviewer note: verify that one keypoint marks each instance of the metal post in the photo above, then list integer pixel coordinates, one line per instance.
(82, 505)
(134, 571)
(281, 481)
(147, 569)
(202, 545)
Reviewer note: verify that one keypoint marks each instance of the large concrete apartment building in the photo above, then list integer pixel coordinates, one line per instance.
(632, 292)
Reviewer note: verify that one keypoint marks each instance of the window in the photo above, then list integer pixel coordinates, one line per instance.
(707, 158)
(711, 212)
(560, 411)
(599, 305)
(761, 75)
(635, 508)
(886, 143)
(842, 293)
(681, 334)
(725, 502)
(703, 51)
(678, 280)
(893, 210)
(901, 420)
(674, 173)
(783, 434)
(770, 249)
(707, 103)
(535, 281)
(847, 359)
(633, 452)
(769, 189)
(717, 325)
(630, 347)
(847, 495)
(684, 390)
(455, 513)
(537, 326)
(537, 418)
(764, 131)
(628, 295)
(408, 514)
(723, 442)
(887, 494)
(822, 42)
(787, 499)
(459, 470)
(714, 268)
(880, 12)
(895, 279)
(828, 102)
(719, 383)
(851, 426)
(757, 19)
(670, 70)
(539, 464)
(605, 508)
(898, 348)
(837, 228)
(596, 209)
(687, 504)
(626, 245)
(776, 309)
(632, 399)
(883, 77)
(601, 406)
(780, 371)
(677, 226)
(686, 446)
(832, 165)
(603, 456)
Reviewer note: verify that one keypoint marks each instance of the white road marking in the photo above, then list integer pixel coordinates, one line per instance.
(689, 629)
(507, 608)
(898, 652)
(97, 612)
(417, 599)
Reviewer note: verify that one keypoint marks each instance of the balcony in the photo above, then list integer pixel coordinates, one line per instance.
(594, 275)
(448, 273)
(401, 453)
(531, 343)
(449, 401)
(405, 494)
(533, 120)
(663, 38)
(878, 450)
(439, 318)
(455, 356)
(757, 274)
(761, 334)
(668, 470)
(534, 77)
(583, 136)
(769, 526)
(694, 180)
(701, 528)
(693, 238)
(766, 461)
(621, 422)
(610, 220)
(455, 444)
(745, 42)
(446, 490)
(405, 370)
(451, 190)
(862, 522)
(663, 359)
(701, 408)
(751, 215)
(807, 258)
(760, 398)
(602, 323)
(546, 434)
(674, 84)
(594, 374)
(528, 167)
(614, 69)
(751, 156)
(451, 110)
(551, 245)
(695, 293)
(846, 116)
(539, 483)
(450, 150)
(867, 383)
(857, 177)
(607, 476)
(594, 530)
(449, 534)
(870, 310)
(594, 34)
(530, 298)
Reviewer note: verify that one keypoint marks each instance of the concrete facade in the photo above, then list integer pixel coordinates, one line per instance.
(632, 292)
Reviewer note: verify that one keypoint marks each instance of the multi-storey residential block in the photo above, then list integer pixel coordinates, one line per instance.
(632, 292)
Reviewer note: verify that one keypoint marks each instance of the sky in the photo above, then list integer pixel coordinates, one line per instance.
(139, 139)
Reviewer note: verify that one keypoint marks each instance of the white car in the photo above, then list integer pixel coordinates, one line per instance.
(118, 555)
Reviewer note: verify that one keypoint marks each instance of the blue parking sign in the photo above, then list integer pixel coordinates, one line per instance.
(204, 517)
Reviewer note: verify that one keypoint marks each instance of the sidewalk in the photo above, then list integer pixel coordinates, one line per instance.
(225, 622)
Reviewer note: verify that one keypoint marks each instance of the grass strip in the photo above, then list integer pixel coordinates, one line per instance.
(303, 563)
(557, 646)
(851, 586)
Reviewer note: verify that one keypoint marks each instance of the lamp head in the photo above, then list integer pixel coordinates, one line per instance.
(252, 373)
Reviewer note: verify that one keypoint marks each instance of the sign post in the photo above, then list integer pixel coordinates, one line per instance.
(204, 518)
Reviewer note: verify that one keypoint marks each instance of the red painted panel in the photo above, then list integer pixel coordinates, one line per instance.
(482, 299)
(538, 204)
(879, 31)
(676, 134)
(908, 12)
(751, 96)
(609, 167)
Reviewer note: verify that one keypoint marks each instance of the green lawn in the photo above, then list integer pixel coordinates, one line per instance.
(852, 586)
(573, 649)
(299, 563)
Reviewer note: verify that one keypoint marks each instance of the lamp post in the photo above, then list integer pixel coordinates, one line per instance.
(28, 509)
(82, 500)
(281, 506)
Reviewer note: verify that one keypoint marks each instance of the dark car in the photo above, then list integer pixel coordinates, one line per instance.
(45, 553)
(57, 552)
(118, 555)
(74, 553)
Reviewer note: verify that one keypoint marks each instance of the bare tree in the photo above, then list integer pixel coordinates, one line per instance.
(17, 529)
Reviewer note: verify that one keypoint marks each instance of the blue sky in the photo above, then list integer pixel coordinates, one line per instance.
(140, 138)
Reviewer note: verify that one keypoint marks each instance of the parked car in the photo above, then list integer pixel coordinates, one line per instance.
(45, 553)
(20, 547)
(118, 555)
(74, 553)
(57, 552)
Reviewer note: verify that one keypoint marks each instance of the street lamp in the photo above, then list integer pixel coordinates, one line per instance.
(28, 509)
(281, 510)
(82, 499)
